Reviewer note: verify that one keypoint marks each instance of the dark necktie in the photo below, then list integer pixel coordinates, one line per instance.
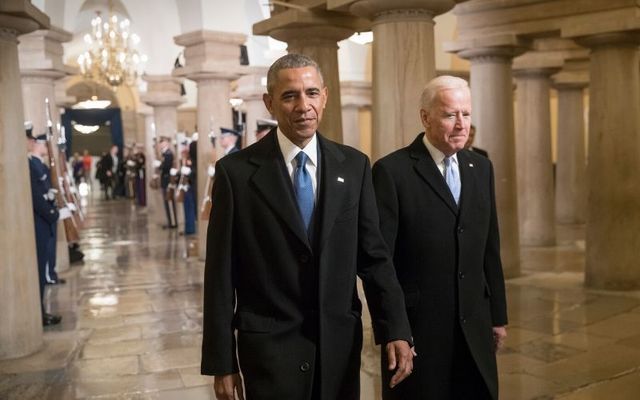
(303, 189)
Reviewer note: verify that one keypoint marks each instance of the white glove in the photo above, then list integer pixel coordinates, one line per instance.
(64, 213)
(72, 207)
(185, 170)
(157, 163)
(173, 172)
(73, 190)
(211, 171)
(51, 194)
(131, 163)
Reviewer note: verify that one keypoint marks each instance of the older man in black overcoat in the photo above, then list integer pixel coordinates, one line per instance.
(438, 216)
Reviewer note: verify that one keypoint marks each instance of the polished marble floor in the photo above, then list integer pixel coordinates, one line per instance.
(132, 324)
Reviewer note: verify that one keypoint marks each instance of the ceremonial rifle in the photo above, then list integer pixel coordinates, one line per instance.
(70, 230)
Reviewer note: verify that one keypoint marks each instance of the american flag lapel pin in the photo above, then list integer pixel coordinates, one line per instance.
(340, 179)
(471, 165)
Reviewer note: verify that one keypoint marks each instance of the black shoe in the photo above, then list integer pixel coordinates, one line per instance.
(58, 281)
(173, 227)
(51, 319)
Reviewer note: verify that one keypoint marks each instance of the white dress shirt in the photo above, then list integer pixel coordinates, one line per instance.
(438, 156)
(289, 152)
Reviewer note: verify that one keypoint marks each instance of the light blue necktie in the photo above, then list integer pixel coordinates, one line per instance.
(452, 177)
(303, 189)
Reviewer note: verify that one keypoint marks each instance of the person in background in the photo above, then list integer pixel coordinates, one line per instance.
(229, 140)
(45, 217)
(87, 161)
(77, 166)
(469, 145)
(141, 176)
(187, 185)
(263, 126)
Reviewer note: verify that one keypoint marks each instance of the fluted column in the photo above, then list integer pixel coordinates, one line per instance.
(21, 327)
(571, 190)
(356, 95)
(403, 63)
(613, 209)
(533, 157)
(163, 95)
(492, 105)
(250, 89)
(41, 65)
(212, 60)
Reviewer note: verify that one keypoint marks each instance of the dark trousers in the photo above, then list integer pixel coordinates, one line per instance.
(189, 212)
(170, 210)
(52, 275)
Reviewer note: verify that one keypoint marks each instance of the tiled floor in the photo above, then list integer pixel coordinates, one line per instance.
(132, 324)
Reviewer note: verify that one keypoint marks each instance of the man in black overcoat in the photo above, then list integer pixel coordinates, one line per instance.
(294, 222)
(438, 217)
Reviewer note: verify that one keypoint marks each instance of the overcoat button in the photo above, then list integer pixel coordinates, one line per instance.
(305, 367)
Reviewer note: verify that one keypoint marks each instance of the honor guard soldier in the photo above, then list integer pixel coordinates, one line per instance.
(263, 126)
(229, 140)
(167, 174)
(45, 216)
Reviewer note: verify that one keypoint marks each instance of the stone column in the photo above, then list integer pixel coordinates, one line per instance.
(163, 95)
(21, 327)
(250, 89)
(571, 190)
(316, 35)
(492, 105)
(533, 157)
(212, 60)
(613, 209)
(403, 63)
(41, 65)
(355, 96)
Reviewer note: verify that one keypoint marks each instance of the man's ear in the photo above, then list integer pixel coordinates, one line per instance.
(424, 117)
(268, 102)
(325, 94)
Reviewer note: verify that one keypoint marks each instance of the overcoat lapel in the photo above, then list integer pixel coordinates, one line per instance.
(333, 182)
(271, 181)
(467, 179)
(427, 169)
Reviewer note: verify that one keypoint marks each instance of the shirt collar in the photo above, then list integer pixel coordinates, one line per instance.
(437, 155)
(289, 150)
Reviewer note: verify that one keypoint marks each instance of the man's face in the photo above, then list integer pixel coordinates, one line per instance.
(448, 121)
(227, 140)
(297, 102)
(40, 149)
(114, 150)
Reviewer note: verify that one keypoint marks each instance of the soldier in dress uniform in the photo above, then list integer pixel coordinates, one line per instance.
(45, 215)
(167, 172)
(229, 140)
(263, 126)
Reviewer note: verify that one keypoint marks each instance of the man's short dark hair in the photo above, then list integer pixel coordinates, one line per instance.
(288, 61)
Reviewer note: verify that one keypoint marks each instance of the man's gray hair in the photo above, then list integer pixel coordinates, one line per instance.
(437, 84)
(289, 61)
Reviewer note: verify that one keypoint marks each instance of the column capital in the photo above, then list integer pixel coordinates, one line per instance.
(18, 17)
(252, 85)
(318, 26)
(495, 48)
(574, 75)
(42, 51)
(622, 38)
(402, 9)
(162, 90)
(210, 55)
(356, 93)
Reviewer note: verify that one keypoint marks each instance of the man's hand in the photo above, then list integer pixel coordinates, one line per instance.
(401, 357)
(499, 335)
(226, 387)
